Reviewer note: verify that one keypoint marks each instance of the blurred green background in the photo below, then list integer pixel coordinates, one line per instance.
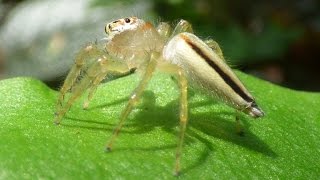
(275, 40)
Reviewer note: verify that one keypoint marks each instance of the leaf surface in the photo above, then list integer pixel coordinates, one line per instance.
(284, 144)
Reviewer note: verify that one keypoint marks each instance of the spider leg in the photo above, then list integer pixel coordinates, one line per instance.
(92, 75)
(81, 62)
(114, 67)
(164, 29)
(183, 85)
(185, 26)
(81, 59)
(77, 90)
(239, 129)
(134, 98)
(182, 26)
(93, 89)
(215, 47)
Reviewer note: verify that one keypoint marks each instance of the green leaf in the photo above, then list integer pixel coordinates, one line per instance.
(284, 144)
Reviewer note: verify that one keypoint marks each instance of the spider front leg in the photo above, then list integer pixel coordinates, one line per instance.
(88, 77)
(117, 69)
(183, 116)
(92, 89)
(134, 98)
(82, 61)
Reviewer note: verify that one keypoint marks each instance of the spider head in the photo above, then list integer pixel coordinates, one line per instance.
(121, 25)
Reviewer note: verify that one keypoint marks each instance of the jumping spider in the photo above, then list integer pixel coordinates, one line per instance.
(135, 44)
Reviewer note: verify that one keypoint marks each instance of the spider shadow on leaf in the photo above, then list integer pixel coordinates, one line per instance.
(97, 124)
(212, 124)
(149, 116)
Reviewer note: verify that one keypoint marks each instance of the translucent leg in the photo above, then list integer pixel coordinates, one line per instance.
(77, 92)
(92, 89)
(239, 129)
(183, 85)
(118, 69)
(183, 117)
(164, 29)
(185, 26)
(215, 47)
(182, 26)
(81, 62)
(78, 89)
(134, 98)
(93, 75)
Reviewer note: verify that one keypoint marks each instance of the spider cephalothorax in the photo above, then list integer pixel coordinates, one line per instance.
(135, 44)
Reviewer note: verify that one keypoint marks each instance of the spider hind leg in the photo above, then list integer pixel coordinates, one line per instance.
(239, 128)
(183, 114)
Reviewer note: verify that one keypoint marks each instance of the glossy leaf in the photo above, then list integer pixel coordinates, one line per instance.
(284, 144)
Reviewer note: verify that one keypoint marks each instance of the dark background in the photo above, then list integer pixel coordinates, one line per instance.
(275, 40)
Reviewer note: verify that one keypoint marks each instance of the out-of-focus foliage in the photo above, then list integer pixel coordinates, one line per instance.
(278, 40)
(112, 2)
(275, 40)
(247, 31)
(40, 38)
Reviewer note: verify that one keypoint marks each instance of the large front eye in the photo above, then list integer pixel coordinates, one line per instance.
(127, 20)
(107, 28)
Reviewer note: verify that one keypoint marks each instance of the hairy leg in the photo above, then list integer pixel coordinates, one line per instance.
(185, 26)
(182, 26)
(164, 29)
(91, 75)
(109, 66)
(134, 98)
(215, 47)
(96, 81)
(83, 59)
(239, 129)
(183, 85)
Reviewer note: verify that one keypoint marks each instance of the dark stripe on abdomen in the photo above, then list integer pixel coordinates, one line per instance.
(222, 74)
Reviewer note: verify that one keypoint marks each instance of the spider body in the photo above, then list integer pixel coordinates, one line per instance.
(133, 44)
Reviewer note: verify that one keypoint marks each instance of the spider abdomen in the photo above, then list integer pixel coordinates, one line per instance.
(205, 69)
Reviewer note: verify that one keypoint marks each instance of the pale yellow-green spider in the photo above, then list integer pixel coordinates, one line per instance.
(133, 44)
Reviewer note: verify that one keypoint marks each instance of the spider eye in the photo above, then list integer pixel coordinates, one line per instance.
(105, 29)
(127, 20)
